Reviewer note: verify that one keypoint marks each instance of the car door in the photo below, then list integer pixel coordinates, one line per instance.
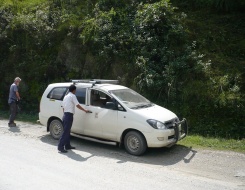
(102, 122)
(55, 98)
(80, 116)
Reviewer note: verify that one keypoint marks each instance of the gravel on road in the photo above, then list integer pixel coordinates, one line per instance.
(29, 160)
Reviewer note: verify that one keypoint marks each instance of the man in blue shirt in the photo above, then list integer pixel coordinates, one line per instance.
(14, 97)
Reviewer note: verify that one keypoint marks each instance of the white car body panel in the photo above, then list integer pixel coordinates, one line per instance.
(110, 124)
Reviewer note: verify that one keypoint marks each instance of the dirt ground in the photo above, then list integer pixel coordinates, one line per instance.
(29, 160)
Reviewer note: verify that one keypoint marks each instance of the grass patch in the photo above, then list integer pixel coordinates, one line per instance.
(23, 2)
(26, 117)
(214, 143)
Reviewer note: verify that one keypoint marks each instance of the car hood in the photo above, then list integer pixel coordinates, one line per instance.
(156, 112)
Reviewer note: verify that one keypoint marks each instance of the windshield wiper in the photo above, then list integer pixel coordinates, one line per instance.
(142, 106)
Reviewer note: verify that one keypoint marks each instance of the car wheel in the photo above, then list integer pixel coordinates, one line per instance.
(56, 128)
(135, 143)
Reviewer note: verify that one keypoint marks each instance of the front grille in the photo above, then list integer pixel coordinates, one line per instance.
(170, 124)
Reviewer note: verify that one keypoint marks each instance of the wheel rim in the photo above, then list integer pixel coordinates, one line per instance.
(133, 143)
(56, 129)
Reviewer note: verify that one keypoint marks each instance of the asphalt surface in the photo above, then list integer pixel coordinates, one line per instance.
(29, 160)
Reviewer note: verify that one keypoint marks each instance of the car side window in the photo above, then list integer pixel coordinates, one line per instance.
(99, 99)
(57, 93)
(81, 95)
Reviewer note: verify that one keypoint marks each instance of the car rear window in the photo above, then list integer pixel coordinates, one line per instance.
(81, 95)
(57, 93)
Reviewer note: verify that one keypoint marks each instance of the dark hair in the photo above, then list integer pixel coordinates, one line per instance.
(72, 88)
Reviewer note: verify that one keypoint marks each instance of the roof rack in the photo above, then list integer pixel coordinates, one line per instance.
(95, 81)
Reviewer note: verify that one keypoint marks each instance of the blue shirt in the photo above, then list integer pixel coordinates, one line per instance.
(12, 93)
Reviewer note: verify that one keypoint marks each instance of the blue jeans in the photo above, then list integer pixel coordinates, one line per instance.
(67, 124)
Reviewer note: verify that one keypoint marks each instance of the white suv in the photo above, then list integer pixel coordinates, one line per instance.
(119, 116)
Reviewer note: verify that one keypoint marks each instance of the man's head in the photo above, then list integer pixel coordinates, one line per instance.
(17, 80)
(72, 89)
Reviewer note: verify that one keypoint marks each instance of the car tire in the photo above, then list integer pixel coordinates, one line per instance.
(56, 128)
(135, 143)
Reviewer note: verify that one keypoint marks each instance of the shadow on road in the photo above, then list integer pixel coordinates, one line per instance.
(71, 154)
(154, 156)
(14, 129)
(77, 157)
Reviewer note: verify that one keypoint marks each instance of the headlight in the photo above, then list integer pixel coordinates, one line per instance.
(156, 124)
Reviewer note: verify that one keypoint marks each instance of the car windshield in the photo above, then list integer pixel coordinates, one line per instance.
(131, 98)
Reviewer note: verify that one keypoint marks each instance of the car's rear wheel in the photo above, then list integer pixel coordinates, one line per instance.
(56, 128)
(135, 143)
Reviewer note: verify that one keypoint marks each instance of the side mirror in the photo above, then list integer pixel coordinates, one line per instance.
(110, 105)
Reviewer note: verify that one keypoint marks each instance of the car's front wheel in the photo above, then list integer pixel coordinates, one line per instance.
(135, 143)
(56, 128)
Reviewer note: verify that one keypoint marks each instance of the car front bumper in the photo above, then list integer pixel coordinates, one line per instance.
(168, 137)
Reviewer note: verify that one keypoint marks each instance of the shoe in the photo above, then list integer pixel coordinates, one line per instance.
(12, 124)
(63, 151)
(70, 147)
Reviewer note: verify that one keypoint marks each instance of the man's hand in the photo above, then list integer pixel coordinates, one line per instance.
(81, 108)
(88, 111)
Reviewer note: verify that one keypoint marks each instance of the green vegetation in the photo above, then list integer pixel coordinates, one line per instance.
(27, 117)
(189, 59)
(197, 141)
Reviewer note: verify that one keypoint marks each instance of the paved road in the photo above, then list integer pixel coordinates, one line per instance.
(29, 160)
